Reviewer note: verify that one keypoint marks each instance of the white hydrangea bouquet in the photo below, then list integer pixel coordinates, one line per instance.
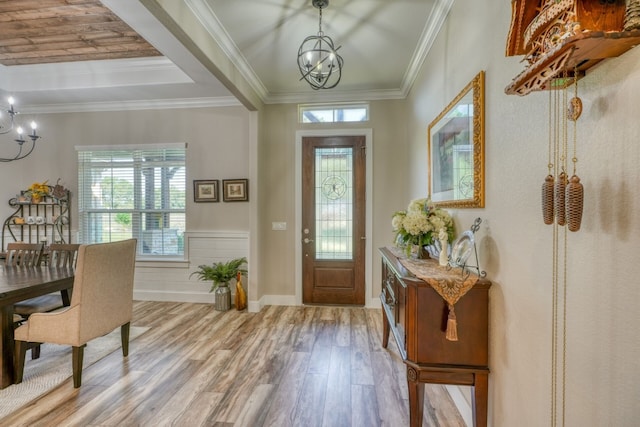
(420, 225)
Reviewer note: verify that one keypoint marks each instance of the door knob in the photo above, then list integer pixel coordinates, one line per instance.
(307, 240)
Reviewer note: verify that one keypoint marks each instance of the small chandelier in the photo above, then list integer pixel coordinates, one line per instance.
(318, 61)
(8, 125)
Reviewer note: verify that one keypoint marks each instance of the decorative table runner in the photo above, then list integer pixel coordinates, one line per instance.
(450, 286)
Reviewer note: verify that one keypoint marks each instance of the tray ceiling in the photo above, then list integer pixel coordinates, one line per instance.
(51, 31)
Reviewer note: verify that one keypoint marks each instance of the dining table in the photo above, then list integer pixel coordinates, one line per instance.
(19, 284)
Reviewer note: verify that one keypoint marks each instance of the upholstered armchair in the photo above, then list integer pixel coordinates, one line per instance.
(102, 300)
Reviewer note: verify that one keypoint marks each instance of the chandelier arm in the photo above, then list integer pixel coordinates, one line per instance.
(20, 156)
(11, 125)
(338, 57)
(17, 157)
(33, 146)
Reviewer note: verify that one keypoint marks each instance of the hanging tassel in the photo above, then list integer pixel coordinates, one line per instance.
(241, 296)
(574, 200)
(452, 325)
(559, 195)
(547, 200)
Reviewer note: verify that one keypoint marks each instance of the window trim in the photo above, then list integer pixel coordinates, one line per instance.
(303, 108)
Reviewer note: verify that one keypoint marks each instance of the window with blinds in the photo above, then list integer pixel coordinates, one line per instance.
(133, 192)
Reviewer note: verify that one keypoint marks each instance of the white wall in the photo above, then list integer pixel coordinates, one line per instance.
(220, 146)
(602, 367)
(277, 159)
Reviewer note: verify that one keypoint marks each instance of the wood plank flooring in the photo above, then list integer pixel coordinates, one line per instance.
(285, 366)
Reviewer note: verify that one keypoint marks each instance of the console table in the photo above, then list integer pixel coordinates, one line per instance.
(416, 315)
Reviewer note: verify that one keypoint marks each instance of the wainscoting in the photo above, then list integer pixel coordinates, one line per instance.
(168, 280)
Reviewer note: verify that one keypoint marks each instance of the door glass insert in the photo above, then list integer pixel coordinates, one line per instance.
(334, 203)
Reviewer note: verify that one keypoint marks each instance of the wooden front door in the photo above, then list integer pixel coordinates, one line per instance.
(333, 220)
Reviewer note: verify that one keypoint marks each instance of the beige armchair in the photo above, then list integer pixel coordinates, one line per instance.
(102, 300)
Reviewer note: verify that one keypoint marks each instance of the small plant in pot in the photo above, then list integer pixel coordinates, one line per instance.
(221, 273)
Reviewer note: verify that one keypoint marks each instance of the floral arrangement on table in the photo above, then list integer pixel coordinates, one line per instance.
(421, 224)
(37, 191)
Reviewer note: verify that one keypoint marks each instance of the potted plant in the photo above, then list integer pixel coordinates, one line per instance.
(221, 273)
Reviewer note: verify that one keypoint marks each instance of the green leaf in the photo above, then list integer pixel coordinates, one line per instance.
(221, 273)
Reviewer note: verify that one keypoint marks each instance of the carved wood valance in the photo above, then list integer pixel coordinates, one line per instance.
(563, 38)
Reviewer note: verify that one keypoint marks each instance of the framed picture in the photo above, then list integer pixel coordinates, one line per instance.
(205, 190)
(456, 150)
(235, 190)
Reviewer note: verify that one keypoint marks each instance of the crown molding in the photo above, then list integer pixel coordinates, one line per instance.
(434, 23)
(339, 96)
(155, 104)
(91, 74)
(214, 27)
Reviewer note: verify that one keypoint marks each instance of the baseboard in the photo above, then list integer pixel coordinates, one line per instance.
(154, 295)
(461, 403)
(373, 303)
(254, 306)
(277, 300)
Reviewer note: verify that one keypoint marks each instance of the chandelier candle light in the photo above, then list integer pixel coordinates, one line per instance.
(9, 124)
(318, 59)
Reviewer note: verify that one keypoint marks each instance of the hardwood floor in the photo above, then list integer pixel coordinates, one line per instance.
(284, 366)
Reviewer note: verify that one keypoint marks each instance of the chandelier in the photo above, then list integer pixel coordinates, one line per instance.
(318, 59)
(8, 125)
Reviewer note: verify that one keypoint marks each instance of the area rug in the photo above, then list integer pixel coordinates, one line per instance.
(54, 366)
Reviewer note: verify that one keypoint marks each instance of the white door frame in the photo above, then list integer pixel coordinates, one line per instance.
(368, 272)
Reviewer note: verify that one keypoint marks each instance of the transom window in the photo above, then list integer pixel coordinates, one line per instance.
(333, 113)
(133, 192)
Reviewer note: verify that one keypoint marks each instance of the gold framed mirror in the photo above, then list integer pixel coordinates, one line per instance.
(456, 150)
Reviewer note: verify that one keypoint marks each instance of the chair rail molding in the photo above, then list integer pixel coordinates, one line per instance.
(170, 281)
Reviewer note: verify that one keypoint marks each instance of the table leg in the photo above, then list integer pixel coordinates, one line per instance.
(66, 297)
(385, 329)
(416, 398)
(7, 373)
(480, 399)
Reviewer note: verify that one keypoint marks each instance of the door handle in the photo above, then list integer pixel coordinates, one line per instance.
(307, 240)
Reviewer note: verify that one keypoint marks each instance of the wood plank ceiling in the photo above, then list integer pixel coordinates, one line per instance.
(50, 31)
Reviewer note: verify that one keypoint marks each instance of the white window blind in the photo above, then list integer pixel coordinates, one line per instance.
(134, 192)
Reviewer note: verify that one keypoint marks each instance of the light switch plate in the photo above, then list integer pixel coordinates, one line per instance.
(279, 226)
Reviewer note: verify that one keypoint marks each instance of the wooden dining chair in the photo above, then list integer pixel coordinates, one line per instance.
(60, 255)
(23, 254)
(63, 255)
(102, 300)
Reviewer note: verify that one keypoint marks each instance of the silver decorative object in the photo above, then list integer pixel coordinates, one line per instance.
(223, 298)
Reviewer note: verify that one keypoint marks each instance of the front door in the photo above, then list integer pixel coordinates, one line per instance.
(333, 220)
